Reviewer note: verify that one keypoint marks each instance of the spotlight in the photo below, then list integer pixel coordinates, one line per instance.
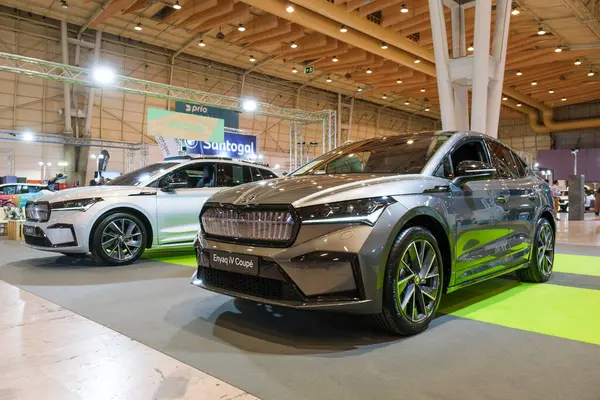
(422, 90)
(28, 136)
(177, 6)
(241, 28)
(384, 45)
(359, 89)
(563, 99)
(410, 141)
(40, 163)
(534, 83)
(103, 75)
(505, 98)
(541, 31)
(398, 81)
(138, 27)
(519, 104)
(49, 164)
(518, 73)
(558, 49)
(417, 60)
(334, 59)
(328, 79)
(63, 4)
(252, 59)
(343, 29)
(515, 11)
(249, 105)
(202, 44)
(591, 73)
(290, 8)
(294, 70)
(470, 48)
(403, 10)
(427, 109)
(551, 91)
(369, 71)
(293, 45)
(577, 62)
(384, 97)
(406, 103)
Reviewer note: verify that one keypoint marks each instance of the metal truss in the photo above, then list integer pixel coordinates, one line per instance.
(60, 139)
(81, 76)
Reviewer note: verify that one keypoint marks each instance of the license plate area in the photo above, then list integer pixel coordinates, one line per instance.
(32, 231)
(240, 263)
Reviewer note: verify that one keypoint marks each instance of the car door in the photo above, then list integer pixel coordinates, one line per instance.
(478, 234)
(178, 209)
(522, 201)
(9, 195)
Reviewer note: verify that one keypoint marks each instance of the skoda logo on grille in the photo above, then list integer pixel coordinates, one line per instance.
(247, 199)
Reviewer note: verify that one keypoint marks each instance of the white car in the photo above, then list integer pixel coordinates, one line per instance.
(155, 206)
(563, 200)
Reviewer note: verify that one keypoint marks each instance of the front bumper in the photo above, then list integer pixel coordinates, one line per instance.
(63, 233)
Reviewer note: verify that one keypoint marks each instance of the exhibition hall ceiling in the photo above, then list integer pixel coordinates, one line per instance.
(553, 54)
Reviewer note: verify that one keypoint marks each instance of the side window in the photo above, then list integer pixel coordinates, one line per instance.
(30, 189)
(445, 170)
(197, 175)
(266, 174)
(521, 166)
(469, 151)
(503, 161)
(10, 189)
(256, 174)
(234, 174)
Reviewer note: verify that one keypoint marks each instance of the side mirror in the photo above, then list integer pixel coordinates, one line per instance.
(470, 170)
(174, 183)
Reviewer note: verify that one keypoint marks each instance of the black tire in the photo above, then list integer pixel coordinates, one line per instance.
(124, 253)
(393, 317)
(536, 272)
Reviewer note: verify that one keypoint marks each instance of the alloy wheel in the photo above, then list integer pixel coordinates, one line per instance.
(121, 239)
(545, 245)
(418, 281)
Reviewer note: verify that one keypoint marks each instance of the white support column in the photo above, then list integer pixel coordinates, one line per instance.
(481, 60)
(87, 131)
(459, 49)
(440, 46)
(66, 87)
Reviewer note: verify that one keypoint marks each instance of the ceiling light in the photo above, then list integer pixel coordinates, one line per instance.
(249, 105)
(551, 91)
(328, 79)
(398, 81)
(384, 45)
(369, 71)
(241, 28)
(404, 10)
(410, 141)
(27, 136)
(417, 60)
(343, 29)
(177, 6)
(541, 31)
(63, 164)
(406, 103)
(92, 156)
(505, 98)
(103, 75)
(293, 45)
(49, 164)
(577, 62)
(519, 104)
(252, 59)
(202, 44)
(359, 89)
(515, 11)
(40, 163)
(470, 48)
(427, 109)
(533, 83)
(422, 90)
(518, 73)
(591, 73)
(290, 8)
(384, 97)
(563, 99)
(558, 49)
(138, 27)
(334, 59)
(63, 4)
(294, 70)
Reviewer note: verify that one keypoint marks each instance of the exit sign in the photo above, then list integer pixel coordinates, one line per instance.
(309, 70)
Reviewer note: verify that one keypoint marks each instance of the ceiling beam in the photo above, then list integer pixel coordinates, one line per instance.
(257, 25)
(223, 7)
(197, 6)
(111, 9)
(240, 14)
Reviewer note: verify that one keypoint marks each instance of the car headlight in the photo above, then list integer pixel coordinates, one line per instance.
(75, 205)
(37, 212)
(362, 211)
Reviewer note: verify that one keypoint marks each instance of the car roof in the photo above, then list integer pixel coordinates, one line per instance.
(22, 183)
(194, 158)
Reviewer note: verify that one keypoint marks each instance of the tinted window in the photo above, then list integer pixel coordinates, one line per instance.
(521, 166)
(444, 170)
(10, 189)
(234, 174)
(469, 151)
(394, 155)
(197, 175)
(503, 161)
(143, 174)
(266, 174)
(30, 189)
(256, 174)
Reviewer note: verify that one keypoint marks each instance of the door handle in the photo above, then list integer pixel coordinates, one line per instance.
(501, 199)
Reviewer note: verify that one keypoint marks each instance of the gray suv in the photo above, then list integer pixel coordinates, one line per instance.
(384, 226)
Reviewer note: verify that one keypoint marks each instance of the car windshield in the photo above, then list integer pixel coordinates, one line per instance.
(386, 155)
(143, 174)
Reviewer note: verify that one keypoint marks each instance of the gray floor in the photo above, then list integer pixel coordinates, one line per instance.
(283, 354)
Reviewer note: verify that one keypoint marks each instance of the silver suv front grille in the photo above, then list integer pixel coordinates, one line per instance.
(248, 225)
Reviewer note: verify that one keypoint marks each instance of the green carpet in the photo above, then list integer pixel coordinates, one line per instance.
(184, 258)
(561, 311)
(572, 264)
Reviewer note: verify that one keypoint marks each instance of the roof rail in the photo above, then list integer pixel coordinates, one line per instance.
(196, 157)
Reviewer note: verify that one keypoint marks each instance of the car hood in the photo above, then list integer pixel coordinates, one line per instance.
(319, 189)
(92, 191)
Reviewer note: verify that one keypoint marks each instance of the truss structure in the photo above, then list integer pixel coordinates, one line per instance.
(60, 139)
(82, 76)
